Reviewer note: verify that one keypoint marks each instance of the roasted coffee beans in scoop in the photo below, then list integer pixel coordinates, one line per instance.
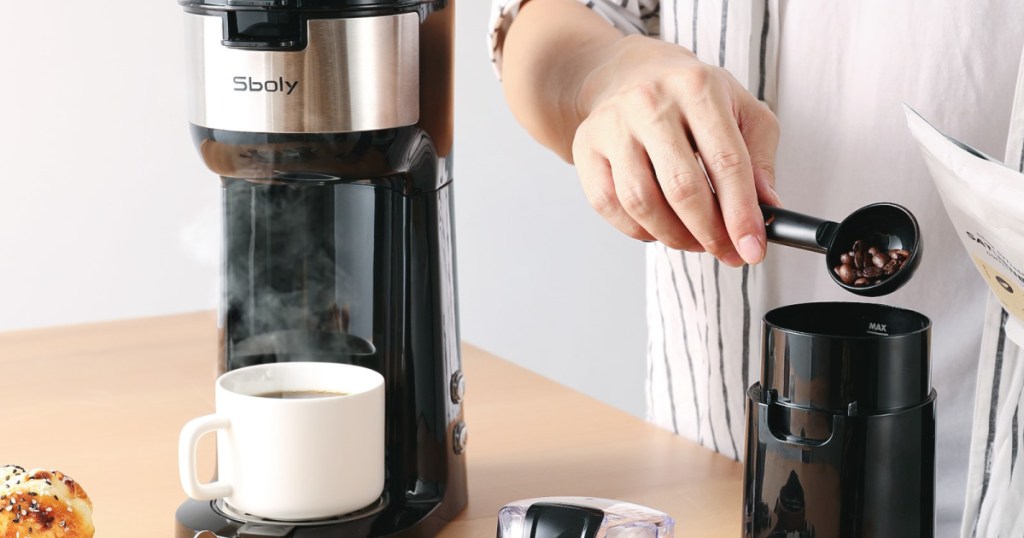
(874, 251)
(867, 265)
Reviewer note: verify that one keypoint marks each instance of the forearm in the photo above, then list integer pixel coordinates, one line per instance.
(549, 51)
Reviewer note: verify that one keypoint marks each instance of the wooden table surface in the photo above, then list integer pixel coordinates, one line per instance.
(104, 403)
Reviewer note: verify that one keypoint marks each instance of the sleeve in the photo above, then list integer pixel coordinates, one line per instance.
(629, 16)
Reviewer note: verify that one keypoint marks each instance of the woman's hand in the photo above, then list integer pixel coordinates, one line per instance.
(640, 117)
(654, 119)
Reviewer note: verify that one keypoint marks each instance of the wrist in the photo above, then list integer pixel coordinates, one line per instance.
(596, 74)
(612, 66)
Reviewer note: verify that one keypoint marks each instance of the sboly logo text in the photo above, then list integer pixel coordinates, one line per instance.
(247, 84)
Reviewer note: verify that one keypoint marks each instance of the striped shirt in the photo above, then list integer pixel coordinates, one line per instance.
(835, 74)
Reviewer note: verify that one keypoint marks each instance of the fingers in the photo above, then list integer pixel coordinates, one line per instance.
(619, 183)
(724, 153)
(596, 178)
(640, 196)
(685, 187)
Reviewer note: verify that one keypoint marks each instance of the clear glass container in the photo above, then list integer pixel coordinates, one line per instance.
(585, 517)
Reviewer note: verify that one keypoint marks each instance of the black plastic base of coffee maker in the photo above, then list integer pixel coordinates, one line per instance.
(194, 517)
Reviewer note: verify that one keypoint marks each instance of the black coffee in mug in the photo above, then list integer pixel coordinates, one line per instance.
(300, 394)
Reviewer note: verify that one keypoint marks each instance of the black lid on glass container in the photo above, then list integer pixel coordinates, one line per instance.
(281, 25)
(853, 358)
(305, 5)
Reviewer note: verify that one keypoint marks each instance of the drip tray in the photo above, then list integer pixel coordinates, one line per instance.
(227, 511)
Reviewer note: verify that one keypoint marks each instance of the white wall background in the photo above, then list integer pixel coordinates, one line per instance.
(106, 211)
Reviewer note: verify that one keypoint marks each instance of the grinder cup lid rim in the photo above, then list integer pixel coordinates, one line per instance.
(804, 313)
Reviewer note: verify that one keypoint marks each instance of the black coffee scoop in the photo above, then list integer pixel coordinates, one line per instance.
(888, 227)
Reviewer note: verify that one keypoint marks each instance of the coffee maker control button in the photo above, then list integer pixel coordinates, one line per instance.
(458, 388)
(460, 437)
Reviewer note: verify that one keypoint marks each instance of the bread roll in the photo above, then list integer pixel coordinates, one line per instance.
(42, 504)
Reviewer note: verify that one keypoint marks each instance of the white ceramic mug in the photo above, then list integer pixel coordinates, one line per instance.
(292, 459)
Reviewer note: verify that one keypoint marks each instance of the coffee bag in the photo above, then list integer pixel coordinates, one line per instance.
(985, 201)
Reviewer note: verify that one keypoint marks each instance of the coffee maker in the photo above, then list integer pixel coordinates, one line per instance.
(330, 125)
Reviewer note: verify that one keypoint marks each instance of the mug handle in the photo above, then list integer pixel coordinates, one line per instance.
(190, 435)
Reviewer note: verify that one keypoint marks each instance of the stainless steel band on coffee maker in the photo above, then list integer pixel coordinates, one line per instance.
(354, 74)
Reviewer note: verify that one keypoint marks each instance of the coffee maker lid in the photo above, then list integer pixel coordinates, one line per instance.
(305, 5)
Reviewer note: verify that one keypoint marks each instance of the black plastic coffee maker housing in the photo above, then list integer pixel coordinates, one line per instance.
(330, 124)
(840, 438)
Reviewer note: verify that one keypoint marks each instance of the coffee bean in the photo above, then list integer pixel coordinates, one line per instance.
(868, 265)
(845, 273)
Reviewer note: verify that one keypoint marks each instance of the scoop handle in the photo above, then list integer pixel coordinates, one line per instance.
(797, 230)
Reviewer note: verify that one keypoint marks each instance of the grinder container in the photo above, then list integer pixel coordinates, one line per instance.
(840, 438)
